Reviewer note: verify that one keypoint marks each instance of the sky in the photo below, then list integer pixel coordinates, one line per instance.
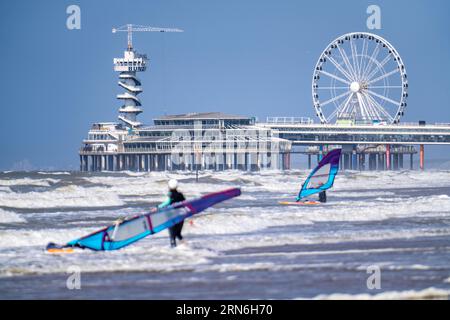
(249, 57)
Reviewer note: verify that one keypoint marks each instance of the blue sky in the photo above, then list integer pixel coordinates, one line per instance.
(246, 57)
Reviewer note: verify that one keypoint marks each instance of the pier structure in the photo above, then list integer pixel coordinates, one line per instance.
(202, 141)
(364, 147)
(371, 135)
(195, 141)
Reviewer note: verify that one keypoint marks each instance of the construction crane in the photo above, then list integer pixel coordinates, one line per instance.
(130, 28)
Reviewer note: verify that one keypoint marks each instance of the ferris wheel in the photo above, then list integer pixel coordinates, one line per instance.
(361, 78)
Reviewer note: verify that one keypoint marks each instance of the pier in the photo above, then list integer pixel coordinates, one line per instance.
(373, 147)
(371, 135)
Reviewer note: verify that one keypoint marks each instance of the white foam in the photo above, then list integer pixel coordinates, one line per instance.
(5, 189)
(63, 197)
(428, 293)
(31, 238)
(220, 228)
(28, 182)
(56, 173)
(155, 255)
(10, 217)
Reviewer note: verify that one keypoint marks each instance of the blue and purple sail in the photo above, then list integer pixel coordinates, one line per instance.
(322, 177)
(136, 228)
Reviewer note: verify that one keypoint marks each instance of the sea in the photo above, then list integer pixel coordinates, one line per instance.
(381, 235)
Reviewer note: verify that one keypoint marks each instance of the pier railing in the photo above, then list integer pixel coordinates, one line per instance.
(289, 120)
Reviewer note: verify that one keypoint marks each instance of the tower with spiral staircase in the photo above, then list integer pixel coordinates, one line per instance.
(131, 63)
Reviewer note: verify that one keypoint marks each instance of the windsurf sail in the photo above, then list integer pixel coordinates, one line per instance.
(136, 228)
(322, 177)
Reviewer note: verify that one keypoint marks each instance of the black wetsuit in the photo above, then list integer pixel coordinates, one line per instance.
(323, 196)
(175, 231)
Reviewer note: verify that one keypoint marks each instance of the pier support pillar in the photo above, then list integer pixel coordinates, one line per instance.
(346, 161)
(361, 161)
(147, 162)
(381, 163)
(286, 160)
(354, 160)
(388, 157)
(85, 164)
(372, 161)
(395, 156)
(422, 157)
(289, 161)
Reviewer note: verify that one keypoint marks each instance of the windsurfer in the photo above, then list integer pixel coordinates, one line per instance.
(174, 196)
(323, 196)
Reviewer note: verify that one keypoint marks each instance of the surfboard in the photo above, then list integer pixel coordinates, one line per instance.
(56, 250)
(299, 203)
(125, 232)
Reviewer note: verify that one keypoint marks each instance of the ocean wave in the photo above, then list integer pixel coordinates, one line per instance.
(63, 197)
(145, 257)
(428, 293)
(10, 217)
(55, 173)
(29, 182)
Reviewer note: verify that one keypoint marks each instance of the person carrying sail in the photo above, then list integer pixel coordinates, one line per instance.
(174, 196)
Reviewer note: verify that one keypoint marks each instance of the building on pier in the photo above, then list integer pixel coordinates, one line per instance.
(212, 141)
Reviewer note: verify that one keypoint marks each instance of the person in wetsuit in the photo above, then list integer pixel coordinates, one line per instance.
(323, 196)
(174, 196)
